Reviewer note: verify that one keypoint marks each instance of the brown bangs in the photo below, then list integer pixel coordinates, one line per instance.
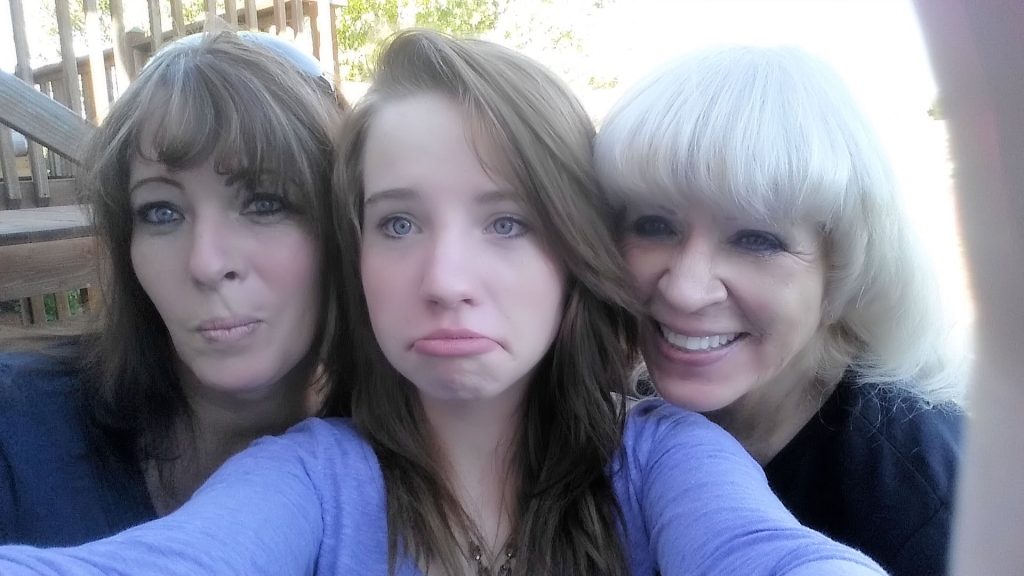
(206, 112)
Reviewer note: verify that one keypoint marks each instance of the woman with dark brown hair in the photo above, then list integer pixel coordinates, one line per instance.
(489, 433)
(209, 184)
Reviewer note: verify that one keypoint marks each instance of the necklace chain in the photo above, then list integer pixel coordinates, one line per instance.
(483, 568)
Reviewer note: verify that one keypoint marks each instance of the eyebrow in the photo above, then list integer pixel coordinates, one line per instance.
(495, 196)
(154, 180)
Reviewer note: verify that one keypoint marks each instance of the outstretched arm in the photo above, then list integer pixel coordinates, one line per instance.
(259, 514)
(708, 508)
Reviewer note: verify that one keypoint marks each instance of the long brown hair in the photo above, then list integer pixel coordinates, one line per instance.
(259, 117)
(567, 520)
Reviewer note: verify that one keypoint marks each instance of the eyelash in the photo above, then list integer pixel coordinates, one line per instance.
(763, 242)
(279, 205)
(652, 227)
(387, 226)
(146, 214)
(518, 227)
(661, 228)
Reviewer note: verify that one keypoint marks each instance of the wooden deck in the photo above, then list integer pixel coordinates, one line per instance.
(30, 225)
(45, 251)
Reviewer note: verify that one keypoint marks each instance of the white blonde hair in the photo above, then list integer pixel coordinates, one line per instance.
(774, 133)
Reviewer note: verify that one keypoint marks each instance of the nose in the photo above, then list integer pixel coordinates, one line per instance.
(448, 275)
(212, 255)
(692, 280)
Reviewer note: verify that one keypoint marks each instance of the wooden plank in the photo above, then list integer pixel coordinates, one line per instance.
(69, 65)
(23, 70)
(47, 267)
(177, 18)
(30, 225)
(63, 306)
(38, 309)
(334, 47)
(26, 311)
(12, 187)
(41, 119)
(324, 43)
(231, 12)
(62, 192)
(279, 16)
(97, 68)
(23, 67)
(298, 19)
(156, 27)
(123, 64)
(251, 21)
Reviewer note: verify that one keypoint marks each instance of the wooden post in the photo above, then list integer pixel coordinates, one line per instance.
(251, 21)
(324, 44)
(63, 308)
(26, 311)
(334, 45)
(231, 12)
(279, 17)
(178, 20)
(156, 26)
(38, 307)
(12, 187)
(298, 20)
(24, 71)
(69, 64)
(124, 67)
(97, 67)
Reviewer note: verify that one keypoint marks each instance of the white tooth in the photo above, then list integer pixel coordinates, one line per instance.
(697, 343)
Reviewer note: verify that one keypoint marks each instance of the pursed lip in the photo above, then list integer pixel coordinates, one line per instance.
(227, 331)
(226, 323)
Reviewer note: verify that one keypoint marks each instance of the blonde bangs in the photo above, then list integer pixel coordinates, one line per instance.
(753, 139)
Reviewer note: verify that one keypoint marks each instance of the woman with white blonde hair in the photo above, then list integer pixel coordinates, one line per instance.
(787, 296)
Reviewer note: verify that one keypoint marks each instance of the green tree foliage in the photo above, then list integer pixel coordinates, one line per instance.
(365, 23)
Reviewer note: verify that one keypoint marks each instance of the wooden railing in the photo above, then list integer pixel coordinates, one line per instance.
(56, 106)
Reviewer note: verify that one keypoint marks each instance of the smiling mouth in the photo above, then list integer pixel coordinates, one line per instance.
(706, 343)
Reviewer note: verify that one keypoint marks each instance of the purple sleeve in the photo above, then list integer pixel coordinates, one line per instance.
(259, 514)
(707, 506)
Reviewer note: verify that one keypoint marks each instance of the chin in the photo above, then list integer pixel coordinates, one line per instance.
(695, 398)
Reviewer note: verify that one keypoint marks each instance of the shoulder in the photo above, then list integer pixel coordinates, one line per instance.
(323, 447)
(899, 430)
(658, 433)
(654, 420)
(35, 389)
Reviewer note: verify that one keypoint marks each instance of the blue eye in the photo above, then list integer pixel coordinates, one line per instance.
(264, 205)
(158, 213)
(652, 226)
(757, 241)
(508, 226)
(397, 226)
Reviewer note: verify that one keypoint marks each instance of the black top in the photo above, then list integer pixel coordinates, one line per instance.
(876, 470)
(60, 484)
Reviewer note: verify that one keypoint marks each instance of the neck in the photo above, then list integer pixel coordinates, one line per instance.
(477, 440)
(767, 418)
(221, 424)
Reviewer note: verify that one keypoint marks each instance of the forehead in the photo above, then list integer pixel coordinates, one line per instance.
(424, 143)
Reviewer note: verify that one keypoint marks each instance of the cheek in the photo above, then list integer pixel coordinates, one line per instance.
(152, 263)
(645, 265)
